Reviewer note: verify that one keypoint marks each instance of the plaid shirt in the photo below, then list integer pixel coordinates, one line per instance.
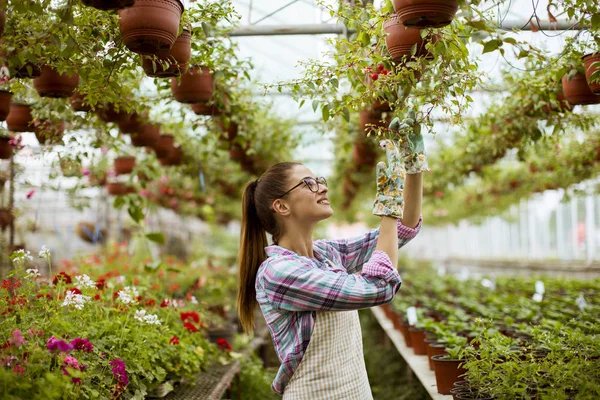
(290, 289)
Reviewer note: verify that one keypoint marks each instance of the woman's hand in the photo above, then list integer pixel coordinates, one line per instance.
(410, 143)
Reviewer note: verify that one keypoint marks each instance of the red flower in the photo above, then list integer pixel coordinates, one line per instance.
(174, 340)
(97, 297)
(164, 303)
(18, 300)
(101, 284)
(41, 296)
(185, 316)
(223, 344)
(116, 294)
(151, 302)
(8, 310)
(139, 298)
(62, 276)
(11, 283)
(30, 194)
(190, 327)
(74, 290)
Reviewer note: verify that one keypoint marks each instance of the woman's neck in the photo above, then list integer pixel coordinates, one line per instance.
(299, 241)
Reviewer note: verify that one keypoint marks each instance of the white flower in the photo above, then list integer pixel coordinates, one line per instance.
(125, 297)
(180, 303)
(173, 303)
(152, 319)
(193, 300)
(140, 314)
(132, 290)
(128, 295)
(120, 279)
(84, 282)
(44, 253)
(76, 300)
(33, 273)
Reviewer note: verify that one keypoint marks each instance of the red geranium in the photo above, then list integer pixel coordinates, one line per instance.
(101, 284)
(151, 302)
(223, 344)
(190, 327)
(185, 316)
(174, 340)
(62, 276)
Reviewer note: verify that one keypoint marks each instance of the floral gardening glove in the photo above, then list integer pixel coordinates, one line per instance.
(390, 183)
(411, 144)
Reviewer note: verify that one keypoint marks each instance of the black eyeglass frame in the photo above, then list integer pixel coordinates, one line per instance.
(303, 180)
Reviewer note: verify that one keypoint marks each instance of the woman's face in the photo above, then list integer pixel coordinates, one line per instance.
(304, 203)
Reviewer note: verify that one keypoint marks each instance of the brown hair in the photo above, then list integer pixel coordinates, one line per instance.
(258, 218)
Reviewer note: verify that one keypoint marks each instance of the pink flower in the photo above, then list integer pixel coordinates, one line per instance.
(104, 150)
(85, 171)
(15, 141)
(30, 194)
(73, 363)
(119, 372)
(17, 338)
(164, 179)
(144, 192)
(82, 344)
(19, 370)
(54, 344)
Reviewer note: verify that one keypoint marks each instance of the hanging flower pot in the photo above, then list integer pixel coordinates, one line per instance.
(364, 152)
(175, 158)
(2, 22)
(5, 148)
(563, 104)
(381, 106)
(173, 63)
(124, 164)
(116, 188)
(229, 129)
(49, 132)
(426, 13)
(164, 146)
(447, 371)
(150, 26)
(205, 109)
(369, 118)
(6, 218)
(112, 113)
(105, 5)
(147, 136)
(19, 118)
(131, 124)
(52, 84)
(78, 102)
(400, 39)
(195, 86)
(5, 98)
(577, 91)
(27, 71)
(591, 64)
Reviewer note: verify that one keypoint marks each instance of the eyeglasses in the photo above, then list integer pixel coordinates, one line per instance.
(311, 183)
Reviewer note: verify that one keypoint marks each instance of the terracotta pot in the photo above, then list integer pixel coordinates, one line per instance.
(148, 135)
(236, 152)
(591, 64)
(131, 124)
(164, 146)
(426, 13)
(26, 71)
(52, 84)
(447, 372)
(5, 98)
(577, 91)
(116, 188)
(111, 113)
(124, 165)
(108, 4)
(196, 86)
(434, 349)
(2, 22)
(381, 106)
(417, 338)
(205, 109)
(372, 118)
(230, 132)
(78, 102)
(19, 118)
(49, 132)
(564, 104)
(364, 152)
(173, 63)
(404, 330)
(400, 40)
(6, 218)
(150, 26)
(5, 148)
(175, 158)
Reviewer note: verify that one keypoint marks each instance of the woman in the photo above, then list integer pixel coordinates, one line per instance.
(309, 292)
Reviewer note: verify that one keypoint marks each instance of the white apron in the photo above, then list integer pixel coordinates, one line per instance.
(333, 366)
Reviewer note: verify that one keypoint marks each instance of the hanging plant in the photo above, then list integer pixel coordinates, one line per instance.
(5, 99)
(116, 188)
(400, 40)
(105, 5)
(175, 158)
(5, 148)
(164, 146)
(195, 86)
(48, 131)
(372, 120)
(52, 84)
(591, 64)
(205, 109)
(150, 26)
(112, 113)
(577, 91)
(426, 13)
(19, 118)
(2, 22)
(6, 218)
(133, 123)
(172, 64)
(229, 129)
(124, 164)
(78, 102)
(147, 136)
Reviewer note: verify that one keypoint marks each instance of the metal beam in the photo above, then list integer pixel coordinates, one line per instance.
(339, 29)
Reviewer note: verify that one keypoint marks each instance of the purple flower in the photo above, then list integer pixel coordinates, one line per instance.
(54, 344)
(82, 344)
(118, 370)
(17, 338)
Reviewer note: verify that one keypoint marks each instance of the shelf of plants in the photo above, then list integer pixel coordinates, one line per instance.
(508, 338)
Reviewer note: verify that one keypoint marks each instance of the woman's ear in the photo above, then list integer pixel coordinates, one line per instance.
(280, 207)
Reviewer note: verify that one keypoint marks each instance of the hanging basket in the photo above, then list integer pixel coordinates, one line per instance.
(116, 188)
(175, 158)
(400, 39)
(6, 218)
(111, 113)
(27, 71)
(5, 98)
(364, 152)
(577, 91)
(230, 131)
(205, 109)
(172, 64)
(150, 26)
(49, 132)
(78, 102)
(124, 165)
(147, 136)
(564, 104)
(2, 22)
(52, 84)
(131, 124)
(368, 117)
(426, 13)
(591, 64)
(164, 146)
(106, 5)
(19, 118)
(5, 148)
(196, 86)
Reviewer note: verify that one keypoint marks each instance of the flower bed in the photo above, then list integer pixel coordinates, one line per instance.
(514, 339)
(116, 335)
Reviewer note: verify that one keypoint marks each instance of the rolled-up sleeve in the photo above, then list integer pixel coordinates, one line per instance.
(293, 285)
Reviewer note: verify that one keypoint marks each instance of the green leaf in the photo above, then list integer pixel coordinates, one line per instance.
(346, 114)
(302, 103)
(491, 45)
(325, 112)
(119, 202)
(156, 237)
(136, 213)
(510, 40)
(596, 21)
(315, 105)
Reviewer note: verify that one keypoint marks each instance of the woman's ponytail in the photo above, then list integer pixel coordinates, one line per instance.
(253, 241)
